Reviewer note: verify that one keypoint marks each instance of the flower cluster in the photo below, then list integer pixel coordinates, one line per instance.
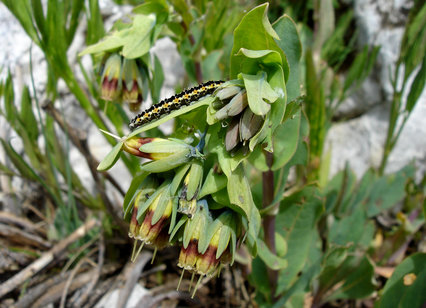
(237, 105)
(122, 80)
(166, 208)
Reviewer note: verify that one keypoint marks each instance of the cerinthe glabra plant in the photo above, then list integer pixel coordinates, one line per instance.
(195, 193)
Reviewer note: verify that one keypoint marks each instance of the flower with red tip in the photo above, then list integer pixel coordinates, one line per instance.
(111, 78)
(132, 84)
(220, 245)
(166, 154)
(195, 232)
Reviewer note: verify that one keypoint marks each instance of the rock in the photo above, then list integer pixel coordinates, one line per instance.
(360, 140)
(111, 298)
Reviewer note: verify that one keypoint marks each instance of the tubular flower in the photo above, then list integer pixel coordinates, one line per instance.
(220, 246)
(166, 154)
(132, 84)
(191, 187)
(132, 145)
(111, 78)
(194, 234)
(210, 245)
(155, 214)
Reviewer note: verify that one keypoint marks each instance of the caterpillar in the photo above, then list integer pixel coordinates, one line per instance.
(175, 102)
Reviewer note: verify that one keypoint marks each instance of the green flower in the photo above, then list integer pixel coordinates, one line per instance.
(132, 84)
(111, 78)
(190, 189)
(154, 212)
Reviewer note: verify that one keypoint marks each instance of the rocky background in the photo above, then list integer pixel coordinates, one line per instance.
(357, 138)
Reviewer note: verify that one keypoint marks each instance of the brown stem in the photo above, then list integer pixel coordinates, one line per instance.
(269, 219)
(198, 71)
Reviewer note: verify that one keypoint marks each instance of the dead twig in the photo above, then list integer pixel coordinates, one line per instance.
(101, 254)
(148, 302)
(73, 273)
(46, 258)
(55, 293)
(32, 294)
(23, 223)
(132, 277)
(78, 253)
(13, 234)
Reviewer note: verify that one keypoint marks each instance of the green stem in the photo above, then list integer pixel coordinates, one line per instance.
(395, 112)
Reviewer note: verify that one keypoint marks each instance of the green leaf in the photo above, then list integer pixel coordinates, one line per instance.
(95, 25)
(387, 191)
(274, 118)
(254, 33)
(259, 93)
(159, 8)
(28, 118)
(131, 193)
(286, 138)
(396, 293)
(271, 260)
(354, 228)
(354, 278)
(240, 195)
(413, 45)
(292, 47)
(417, 87)
(251, 61)
(296, 222)
(177, 179)
(111, 157)
(135, 40)
(213, 183)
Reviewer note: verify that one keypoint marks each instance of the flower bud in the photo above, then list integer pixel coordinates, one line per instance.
(190, 189)
(234, 107)
(168, 154)
(232, 137)
(250, 124)
(111, 78)
(132, 84)
(227, 92)
(132, 145)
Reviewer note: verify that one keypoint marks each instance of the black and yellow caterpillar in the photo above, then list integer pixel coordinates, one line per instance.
(175, 102)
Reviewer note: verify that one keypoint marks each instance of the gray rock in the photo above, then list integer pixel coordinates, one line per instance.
(360, 141)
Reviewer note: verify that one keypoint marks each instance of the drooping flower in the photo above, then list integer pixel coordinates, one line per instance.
(207, 244)
(132, 84)
(191, 187)
(111, 78)
(154, 215)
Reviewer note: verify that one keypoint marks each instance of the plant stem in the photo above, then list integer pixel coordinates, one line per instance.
(390, 140)
(269, 219)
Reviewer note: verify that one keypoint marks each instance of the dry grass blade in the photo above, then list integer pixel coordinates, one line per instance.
(46, 258)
